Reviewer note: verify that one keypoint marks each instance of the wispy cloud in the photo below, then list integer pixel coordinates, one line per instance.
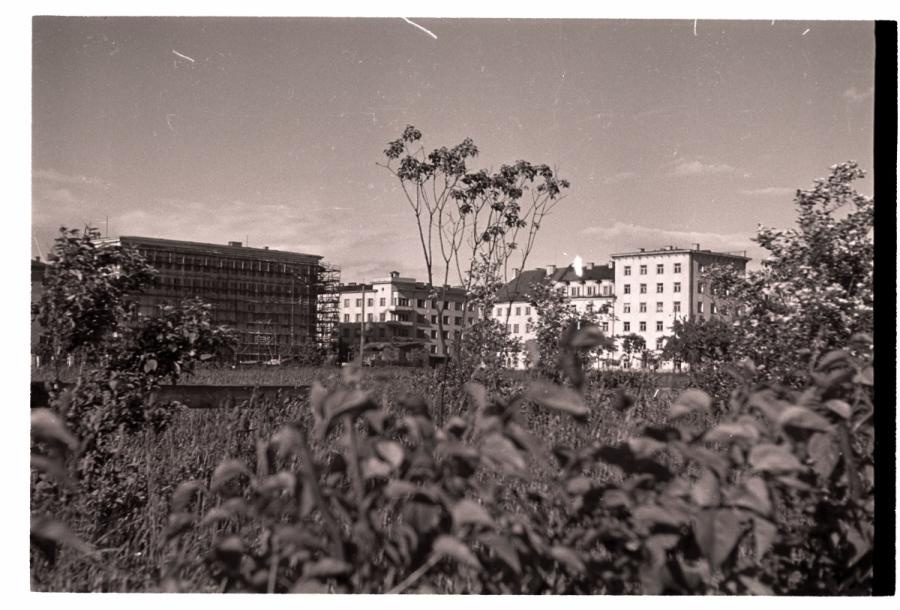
(627, 237)
(617, 178)
(773, 191)
(854, 95)
(695, 167)
(51, 175)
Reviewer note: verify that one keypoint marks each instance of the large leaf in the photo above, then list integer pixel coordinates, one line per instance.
(732, 431)
(558, 398)
(227, 471)
(823, 453)
(47, 426)
(470, 512)
(327, 567)
(690, 401)
(49, 533)
(753, 494)
(500, 452)
(183, 494)
(391, 452)
(504, 549)
(717, 532)
(448, 546)
(705, 492)
(773, 458)
(801, 417)
(569, 558)
(342, 402)
(764, 534)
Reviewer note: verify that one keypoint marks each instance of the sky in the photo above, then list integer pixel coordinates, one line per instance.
(268, 131)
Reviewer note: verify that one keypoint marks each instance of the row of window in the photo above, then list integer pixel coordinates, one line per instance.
(405, 302)
(382, 317)
(660, 268)
(590, 291)
(642, 326)
(518, 311)
(676, 307)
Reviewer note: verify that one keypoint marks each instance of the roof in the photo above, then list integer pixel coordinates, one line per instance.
(674, 250)
(597, 273)
(520, 288)
(244, 252)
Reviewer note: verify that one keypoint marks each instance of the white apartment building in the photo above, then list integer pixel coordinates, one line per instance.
(656, 287)
(400, 308)
(593, 290)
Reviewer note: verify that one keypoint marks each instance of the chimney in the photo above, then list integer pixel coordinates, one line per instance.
(696, 246)
(234, 244)
(551, 269)
(589, 266)
(516, 272)
(265, 247)
(641, 249)
(395, 275)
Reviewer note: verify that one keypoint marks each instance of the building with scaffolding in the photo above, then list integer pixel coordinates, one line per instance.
(276, 302)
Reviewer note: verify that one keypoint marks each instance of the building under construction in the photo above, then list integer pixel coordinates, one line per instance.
(280, 304)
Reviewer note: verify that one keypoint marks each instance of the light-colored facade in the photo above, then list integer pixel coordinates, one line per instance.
(592, 290)
(406, 308)
(656, 287)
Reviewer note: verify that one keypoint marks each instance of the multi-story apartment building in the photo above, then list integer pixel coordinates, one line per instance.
(591, 291)
(656, 287)
(268, 297)
(401, 310)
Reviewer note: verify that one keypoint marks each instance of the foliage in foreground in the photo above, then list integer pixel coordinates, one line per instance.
(777, 497)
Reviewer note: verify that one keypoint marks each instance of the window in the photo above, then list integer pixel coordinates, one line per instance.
(590, 291)
(527, 327)
(528, 311)
(701, 268)
(627, 269)
(445, 320)
(626, 326)
(434, 319)
(445, 334)
(676, 307)
(346, 302)
(359, 317)
(346, 317)
(699, 287)
(518, 311)
(627, 288)
(604, 327)
(402, 302)
(659, 326)
(659, 288)
(676, 287)
(642, 326)
(434, 334)
(516, 328)
(420, 303)
(677, 268)
(458, 321)
(381, 317)
(660, 341)
(590, 306)
(359, 302)
(642, 307)
(606, 291)
(381, 301)
(370, 302)
(660, 269)
(499, 312)
(643, 289)
(643, 270)
(712, 309)
(699, 306)
(626, 307)
(659, 307)
(370, 317)
(576, 291)
(434, 349)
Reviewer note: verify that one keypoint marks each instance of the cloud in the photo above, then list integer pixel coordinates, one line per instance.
(616, 178)
(53, 176)
(685, 167)
(779, 191)
(627, 237)
(854, 95)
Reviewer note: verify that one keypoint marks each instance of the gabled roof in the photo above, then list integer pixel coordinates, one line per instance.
(520, 287)
(597, 273)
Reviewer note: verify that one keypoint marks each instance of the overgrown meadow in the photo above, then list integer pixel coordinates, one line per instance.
(754, 475)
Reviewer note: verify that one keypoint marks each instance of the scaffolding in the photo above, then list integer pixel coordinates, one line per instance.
(328, 279)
